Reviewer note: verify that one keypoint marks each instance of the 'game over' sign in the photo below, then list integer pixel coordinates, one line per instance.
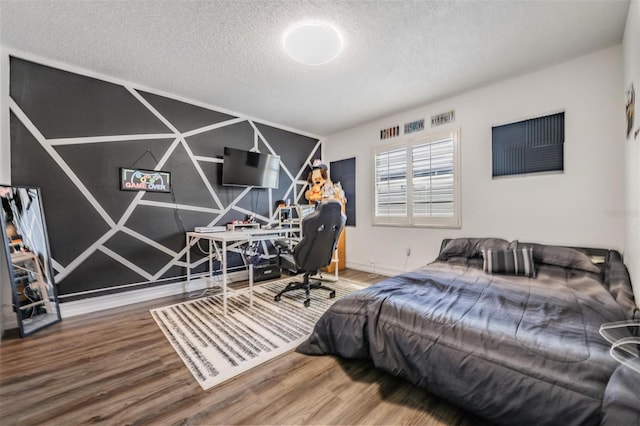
(144, 180)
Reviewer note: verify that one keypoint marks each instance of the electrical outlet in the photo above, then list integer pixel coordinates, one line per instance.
(408, 251)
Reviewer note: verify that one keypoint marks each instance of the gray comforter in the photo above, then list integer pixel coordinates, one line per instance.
(513, 350)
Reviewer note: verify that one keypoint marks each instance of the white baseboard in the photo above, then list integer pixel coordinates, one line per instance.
(94, 304)
(374, 269)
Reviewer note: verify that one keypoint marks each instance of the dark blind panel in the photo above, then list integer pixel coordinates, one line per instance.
(548, 130)
(529, 146)
(508, 161)
(544, 158)
(510, 136)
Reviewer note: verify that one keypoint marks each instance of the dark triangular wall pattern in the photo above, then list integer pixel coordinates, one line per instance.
(226, 194)
(184, 116)
(292, 148)
(104, 160)
(212, 142)
(137, 252)
(110, 240)
(98, 272)
(73, 225)
(166, 226)
(285, 183)
(256, 200)
(65, 105)
(187, 185)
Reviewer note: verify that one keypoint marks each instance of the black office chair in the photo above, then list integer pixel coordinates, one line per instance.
(320, 232)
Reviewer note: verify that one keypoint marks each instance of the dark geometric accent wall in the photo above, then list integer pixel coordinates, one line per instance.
(529, 146)
(71, 133)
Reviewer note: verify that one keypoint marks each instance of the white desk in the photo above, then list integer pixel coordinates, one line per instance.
(221, 242)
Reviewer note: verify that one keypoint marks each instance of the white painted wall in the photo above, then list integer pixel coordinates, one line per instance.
(631, 53)
(581, 206)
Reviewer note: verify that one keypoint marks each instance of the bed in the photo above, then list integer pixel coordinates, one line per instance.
(511, 347)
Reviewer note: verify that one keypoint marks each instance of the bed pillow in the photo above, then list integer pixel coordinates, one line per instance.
(471, 247)
(517, 261)
(561, 256)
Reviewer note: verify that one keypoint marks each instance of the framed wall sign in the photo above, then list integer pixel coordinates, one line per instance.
(414, 126)
(390, 132)
(444, 118)
(144, 180)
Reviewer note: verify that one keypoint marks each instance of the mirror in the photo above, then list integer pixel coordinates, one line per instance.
(28, 256)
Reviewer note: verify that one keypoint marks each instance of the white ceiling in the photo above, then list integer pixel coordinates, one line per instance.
(228, 54)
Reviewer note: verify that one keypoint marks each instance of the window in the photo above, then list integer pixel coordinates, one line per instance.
(528, 146)
(417, 183)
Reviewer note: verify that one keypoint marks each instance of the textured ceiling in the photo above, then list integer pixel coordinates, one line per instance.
(228, 54)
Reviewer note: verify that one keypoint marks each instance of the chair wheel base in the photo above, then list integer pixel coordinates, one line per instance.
(307, 286)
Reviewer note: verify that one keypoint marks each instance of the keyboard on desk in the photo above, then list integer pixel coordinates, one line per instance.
(206, 229)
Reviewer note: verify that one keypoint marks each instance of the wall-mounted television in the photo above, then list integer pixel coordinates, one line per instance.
(249, 168)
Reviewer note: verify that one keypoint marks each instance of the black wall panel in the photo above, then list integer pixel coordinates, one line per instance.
(293, 149)
(73, 225)
(62, 104)
(137, 252)
(95, 273)
(182, 115)
(344, 171)
(211, 143)
(105, 159)
(100, 236)
(188, 186)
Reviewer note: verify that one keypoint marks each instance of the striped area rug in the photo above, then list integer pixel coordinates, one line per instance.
(216, 348)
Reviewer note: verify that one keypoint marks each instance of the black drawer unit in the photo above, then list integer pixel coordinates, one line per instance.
(266, 271)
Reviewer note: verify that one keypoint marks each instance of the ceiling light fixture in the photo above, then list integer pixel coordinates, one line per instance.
(312, 43)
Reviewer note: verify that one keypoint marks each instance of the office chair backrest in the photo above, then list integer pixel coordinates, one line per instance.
(320, 232)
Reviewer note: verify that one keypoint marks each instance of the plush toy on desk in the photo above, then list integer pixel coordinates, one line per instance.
(320, 185)
(318, 178)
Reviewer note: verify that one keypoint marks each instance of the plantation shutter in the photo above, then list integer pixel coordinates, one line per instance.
(416, 182)
(433, 185)
(391, 183)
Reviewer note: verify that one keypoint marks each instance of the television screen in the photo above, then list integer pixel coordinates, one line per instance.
(248, 168)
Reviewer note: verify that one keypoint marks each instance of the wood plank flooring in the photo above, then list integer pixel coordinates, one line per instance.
(116, 367)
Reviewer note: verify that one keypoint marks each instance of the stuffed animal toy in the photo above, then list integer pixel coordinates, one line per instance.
(320, 186)
(319, 183)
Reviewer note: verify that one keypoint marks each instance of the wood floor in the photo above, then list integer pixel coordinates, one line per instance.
(116, 367)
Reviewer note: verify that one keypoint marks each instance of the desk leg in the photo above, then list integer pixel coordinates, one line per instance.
(251, 284)
(210, 283)
(224, 277)
(188, 263)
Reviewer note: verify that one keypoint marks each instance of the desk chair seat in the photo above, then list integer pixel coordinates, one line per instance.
(320, 232)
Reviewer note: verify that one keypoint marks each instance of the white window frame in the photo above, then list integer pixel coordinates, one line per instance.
(408, 220)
